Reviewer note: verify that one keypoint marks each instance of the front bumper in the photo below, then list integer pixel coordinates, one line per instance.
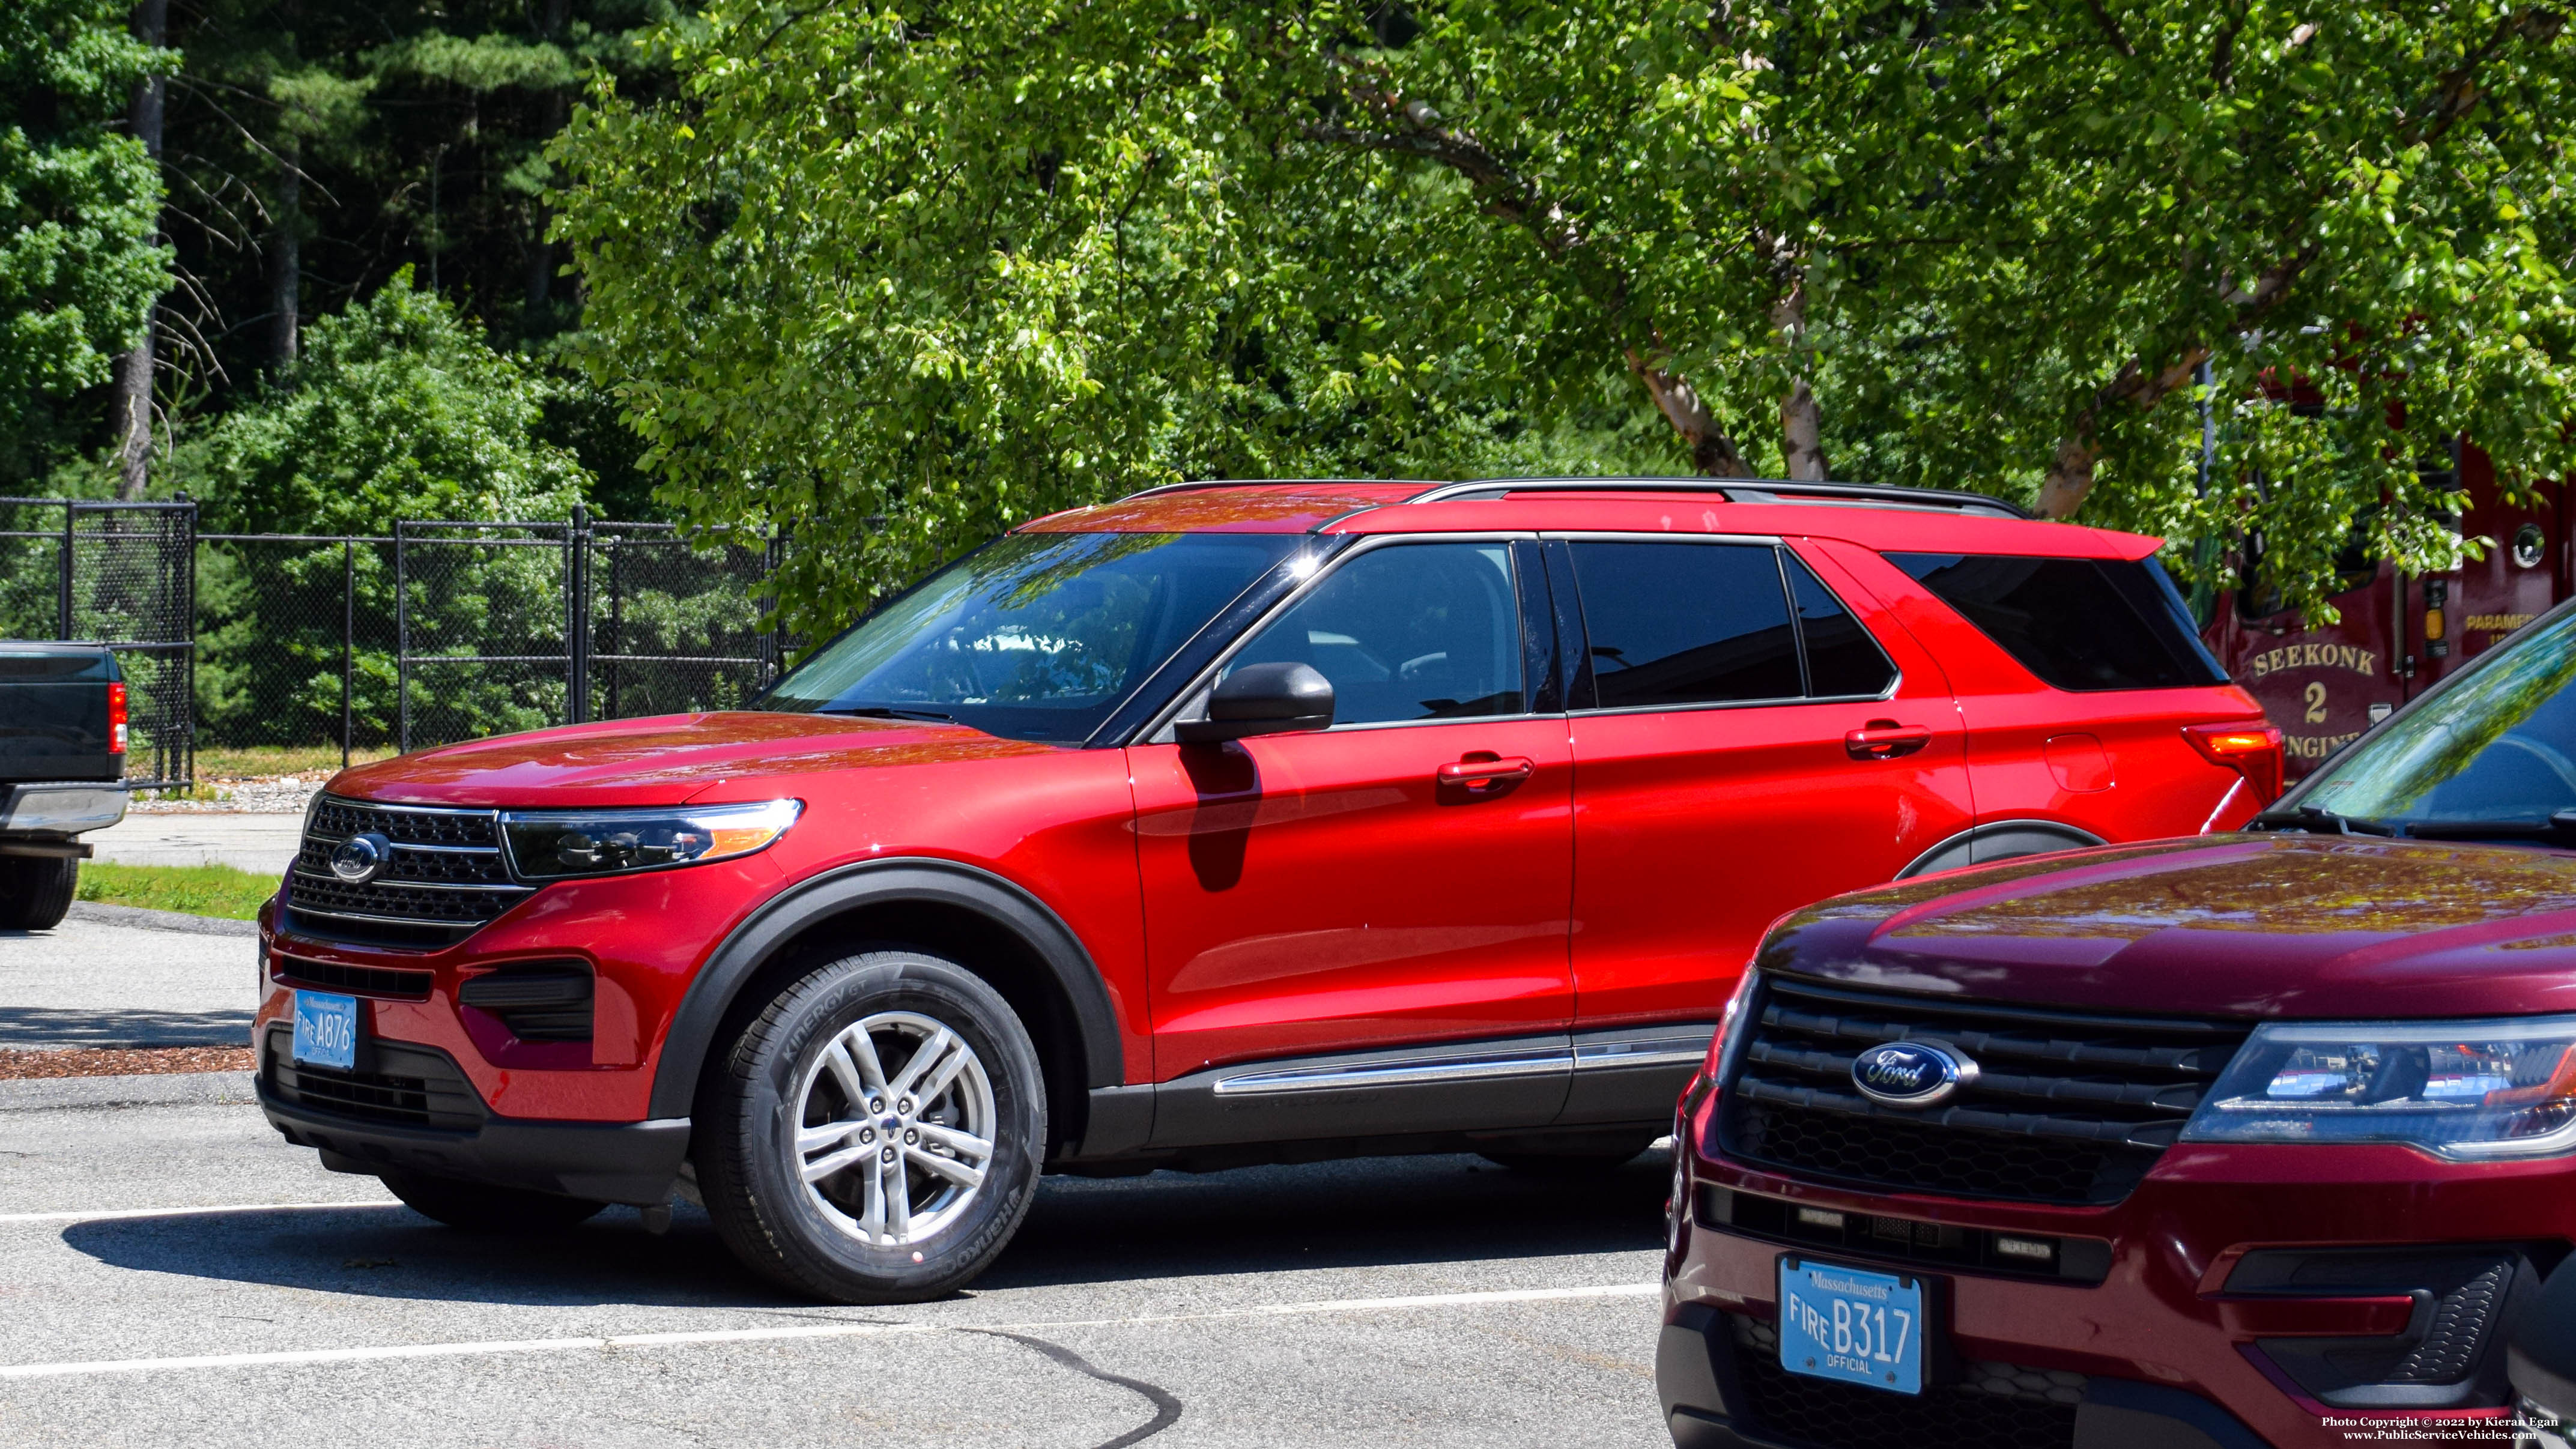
(407, 1109)
(2155, 1342)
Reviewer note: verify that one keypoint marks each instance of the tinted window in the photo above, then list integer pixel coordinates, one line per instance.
(1409, 631)
(1038, 636)
(1841, 657)
(2077, 623)
(1685, 623)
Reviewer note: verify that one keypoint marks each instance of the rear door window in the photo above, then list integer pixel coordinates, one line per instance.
(2078, 623)
(1674, 624)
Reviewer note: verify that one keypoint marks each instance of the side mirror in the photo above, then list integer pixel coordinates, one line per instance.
(2540, 1348)
(1262, 699)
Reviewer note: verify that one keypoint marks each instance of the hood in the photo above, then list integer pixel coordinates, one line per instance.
(2234, 925)
(663, 760)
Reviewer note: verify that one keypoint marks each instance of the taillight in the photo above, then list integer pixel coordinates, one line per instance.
(2253, 751)
(116, 719)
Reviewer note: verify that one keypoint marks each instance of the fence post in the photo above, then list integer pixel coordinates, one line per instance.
(402, 636)
(577, 617)
(69, 508)
(348, 637)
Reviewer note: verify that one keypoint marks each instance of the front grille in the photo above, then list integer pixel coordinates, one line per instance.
(2068, 1107)
(365, 980)
(395, 1083)
(1992, 1406)
(443, 878)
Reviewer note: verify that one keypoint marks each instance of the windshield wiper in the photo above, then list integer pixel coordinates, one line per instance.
(2558, 827)
(886, 711)
(2320, 822)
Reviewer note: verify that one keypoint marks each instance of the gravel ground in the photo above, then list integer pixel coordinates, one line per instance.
(19, 1064)
(253, 794)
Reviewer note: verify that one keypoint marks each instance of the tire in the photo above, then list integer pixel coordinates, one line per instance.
(36, 891)
(1589, 1161)
(481, 1208)
(779, 1101)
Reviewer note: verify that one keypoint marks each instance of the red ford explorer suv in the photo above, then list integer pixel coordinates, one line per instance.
(1216, 825)
(2261, 1140)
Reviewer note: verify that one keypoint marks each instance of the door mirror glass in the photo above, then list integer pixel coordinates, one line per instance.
(1403, 632)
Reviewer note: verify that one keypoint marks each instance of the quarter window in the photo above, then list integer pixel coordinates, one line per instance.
(2077, 623)
(1675, 624)
(1841, 657)
(1407, 631)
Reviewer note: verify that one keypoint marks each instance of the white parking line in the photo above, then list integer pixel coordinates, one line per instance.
(101, 1215)
(819, 1330)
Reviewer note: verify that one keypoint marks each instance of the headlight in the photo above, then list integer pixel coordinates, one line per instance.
(2472, 1090)
(549, 844)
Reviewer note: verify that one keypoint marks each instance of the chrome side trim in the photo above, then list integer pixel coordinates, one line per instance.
(1407, 1072)
(1672, 1049)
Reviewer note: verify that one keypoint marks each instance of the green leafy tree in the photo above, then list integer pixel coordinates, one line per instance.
(79, 265)
(395, 409)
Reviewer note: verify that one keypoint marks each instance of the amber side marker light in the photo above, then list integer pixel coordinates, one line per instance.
(2253, 751)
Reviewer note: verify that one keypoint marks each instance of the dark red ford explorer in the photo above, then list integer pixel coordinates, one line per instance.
(2253, 1140)
(1218, 824)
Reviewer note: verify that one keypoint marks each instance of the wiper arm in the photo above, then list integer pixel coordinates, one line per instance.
(886, 711)
(2320, 822)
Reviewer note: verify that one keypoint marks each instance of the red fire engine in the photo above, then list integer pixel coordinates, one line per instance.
(2399, 632)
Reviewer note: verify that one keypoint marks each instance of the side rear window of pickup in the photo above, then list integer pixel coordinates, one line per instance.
(2078, 623)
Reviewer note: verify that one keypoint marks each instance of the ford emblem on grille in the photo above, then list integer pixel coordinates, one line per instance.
(360, 858)
(1912, 1074)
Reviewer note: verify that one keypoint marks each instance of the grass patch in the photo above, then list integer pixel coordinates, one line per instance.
(242, 760)
(196, 890)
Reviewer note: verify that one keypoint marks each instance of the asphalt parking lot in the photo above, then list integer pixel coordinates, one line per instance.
(172, 1273)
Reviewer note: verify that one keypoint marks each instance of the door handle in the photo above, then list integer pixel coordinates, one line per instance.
(1484, 769)
(1885, 739)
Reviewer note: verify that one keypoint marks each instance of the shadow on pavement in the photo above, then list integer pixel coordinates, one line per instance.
(37, 1026)
(1371, 1212)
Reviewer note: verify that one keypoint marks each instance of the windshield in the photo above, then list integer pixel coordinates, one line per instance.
(1037, 636)
(2496, 743)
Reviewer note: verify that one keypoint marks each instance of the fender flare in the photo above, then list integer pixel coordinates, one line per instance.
(2000, 840)
(752, 945)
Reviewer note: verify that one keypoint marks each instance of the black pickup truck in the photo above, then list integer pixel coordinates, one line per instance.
(62, 772)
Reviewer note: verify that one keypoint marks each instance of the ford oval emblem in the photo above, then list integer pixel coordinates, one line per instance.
(1911, 1074)
(361, 858)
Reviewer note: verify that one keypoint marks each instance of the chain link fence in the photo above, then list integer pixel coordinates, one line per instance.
(122, 575)
(445, 631)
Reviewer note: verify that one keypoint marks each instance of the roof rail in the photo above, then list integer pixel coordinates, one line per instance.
(1193, 487)
(1735, 490)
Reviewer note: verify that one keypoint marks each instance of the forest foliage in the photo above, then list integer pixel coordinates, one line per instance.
(893, 277)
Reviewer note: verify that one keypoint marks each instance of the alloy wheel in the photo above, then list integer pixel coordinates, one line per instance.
(895, 1126)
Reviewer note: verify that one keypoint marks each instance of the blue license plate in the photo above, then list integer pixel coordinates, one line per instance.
(326, 1030)
(1851, 1325)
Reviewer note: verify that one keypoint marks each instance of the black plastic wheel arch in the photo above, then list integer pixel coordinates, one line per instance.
(757, 941)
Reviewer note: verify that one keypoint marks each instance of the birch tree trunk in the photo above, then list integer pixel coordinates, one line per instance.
(285, 254)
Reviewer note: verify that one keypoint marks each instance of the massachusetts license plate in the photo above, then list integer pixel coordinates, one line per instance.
(1851, 1325)
(326, 1030)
